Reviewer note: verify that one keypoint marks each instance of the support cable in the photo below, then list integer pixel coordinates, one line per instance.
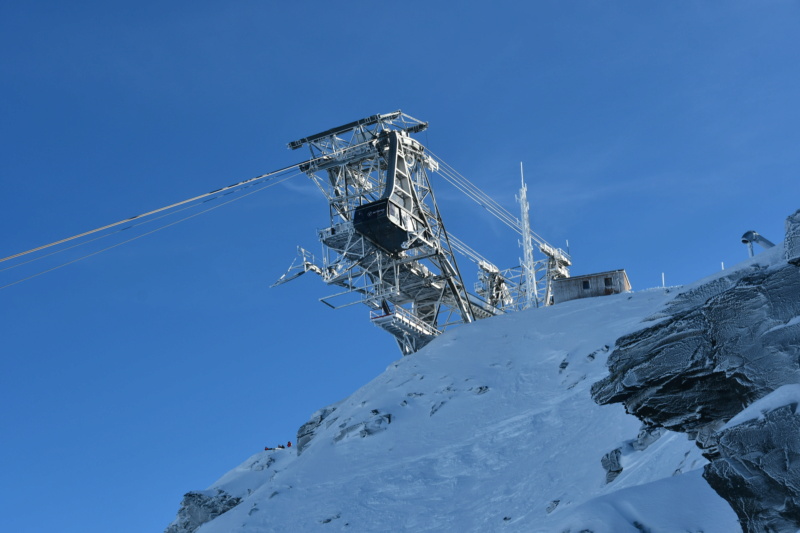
(456, 179)
(134, 225)
(200, 197)
(457, 176)
(270, 184)
(207, 197)
(477, 195)
(510, 222)
(466, 250)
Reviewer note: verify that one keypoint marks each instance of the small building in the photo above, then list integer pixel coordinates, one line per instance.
(590, 285)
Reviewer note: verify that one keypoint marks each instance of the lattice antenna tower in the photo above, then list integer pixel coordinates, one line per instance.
(528, 285)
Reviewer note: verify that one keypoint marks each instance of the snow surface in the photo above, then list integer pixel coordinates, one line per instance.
(784, 395)
(491, 427)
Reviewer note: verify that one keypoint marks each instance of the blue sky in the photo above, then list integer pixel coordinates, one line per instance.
(653, 135)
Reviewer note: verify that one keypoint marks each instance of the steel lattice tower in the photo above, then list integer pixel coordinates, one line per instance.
(386, 245)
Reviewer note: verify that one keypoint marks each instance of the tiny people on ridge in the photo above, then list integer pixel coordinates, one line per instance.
(278, 447)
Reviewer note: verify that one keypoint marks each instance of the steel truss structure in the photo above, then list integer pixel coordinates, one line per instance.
(386, 245)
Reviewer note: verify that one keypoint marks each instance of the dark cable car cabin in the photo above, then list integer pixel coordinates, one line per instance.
(381, 222)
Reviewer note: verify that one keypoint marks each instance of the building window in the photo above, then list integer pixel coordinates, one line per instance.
(609, 282)
(586, 284)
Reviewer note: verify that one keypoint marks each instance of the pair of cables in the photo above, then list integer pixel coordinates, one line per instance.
(260, 183)
(472, 191)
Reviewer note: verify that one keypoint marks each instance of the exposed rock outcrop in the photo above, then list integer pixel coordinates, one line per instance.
(197, 508)
(718, 348)
(756, 468)
(376, 423)
(612, 461)
(371, 424)
(307, 431)
(792, 243)
(611, 464)
(714, 350)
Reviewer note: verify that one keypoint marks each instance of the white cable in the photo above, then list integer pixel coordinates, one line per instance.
(141, 223)
(200, 197)
(477, 195)
(270, 184)
(510, 221)
(481, 198)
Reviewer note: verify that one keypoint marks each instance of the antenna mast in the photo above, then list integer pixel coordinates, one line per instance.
(529, 285)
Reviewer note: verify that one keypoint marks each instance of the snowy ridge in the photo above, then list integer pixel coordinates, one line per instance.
(490, 428)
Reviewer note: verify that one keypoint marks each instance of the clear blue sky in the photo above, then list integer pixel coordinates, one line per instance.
(653, 135)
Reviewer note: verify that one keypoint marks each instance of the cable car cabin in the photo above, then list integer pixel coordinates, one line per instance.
(382, 222)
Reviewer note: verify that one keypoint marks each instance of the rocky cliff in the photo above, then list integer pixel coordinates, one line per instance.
(756, 464)
(711, 352)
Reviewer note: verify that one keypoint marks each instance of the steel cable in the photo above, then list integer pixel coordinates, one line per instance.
(266, 186)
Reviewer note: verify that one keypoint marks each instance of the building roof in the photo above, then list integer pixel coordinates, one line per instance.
(594, 275)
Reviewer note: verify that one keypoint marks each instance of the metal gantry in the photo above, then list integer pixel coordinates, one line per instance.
(387, 246)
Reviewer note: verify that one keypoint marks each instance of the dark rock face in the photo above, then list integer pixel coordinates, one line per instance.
(757, 470)
(716, 350)
(611, 462)
(197, 508)
(307, 431)
(792, 242)
(375, 424)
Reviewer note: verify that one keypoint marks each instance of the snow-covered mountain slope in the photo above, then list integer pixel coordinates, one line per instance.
(491, 427)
